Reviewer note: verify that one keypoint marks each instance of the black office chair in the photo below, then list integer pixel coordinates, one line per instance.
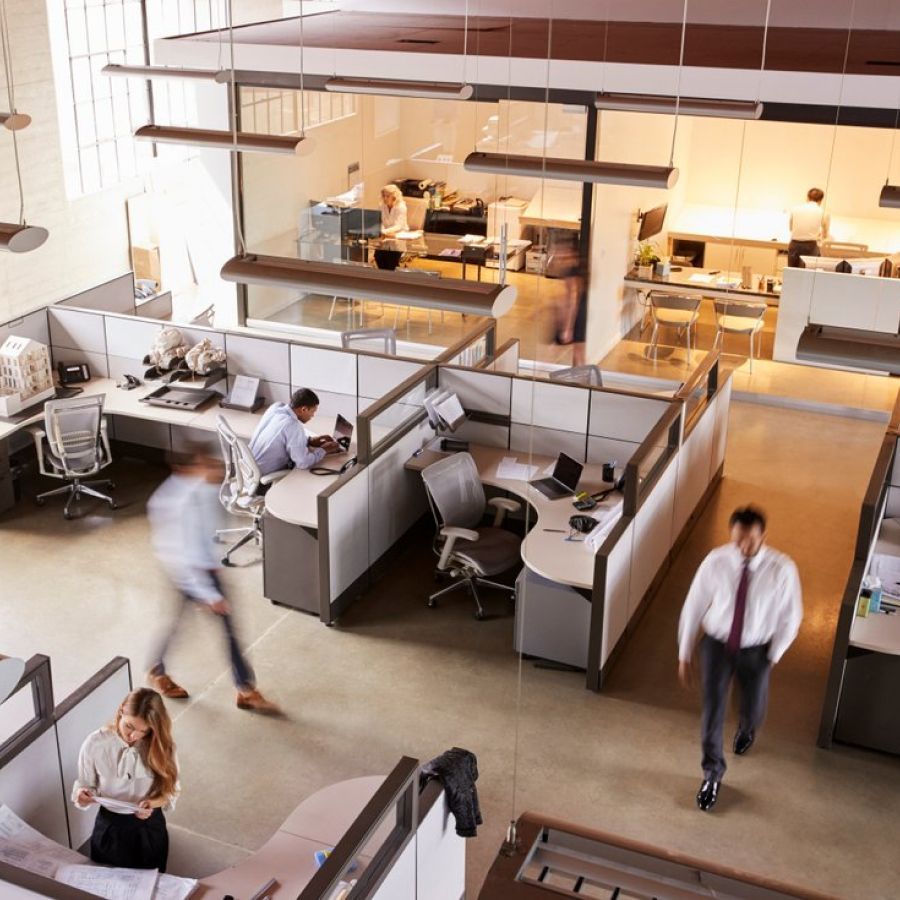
(387, 259)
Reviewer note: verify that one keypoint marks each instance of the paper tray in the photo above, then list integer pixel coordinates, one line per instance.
(175, 397)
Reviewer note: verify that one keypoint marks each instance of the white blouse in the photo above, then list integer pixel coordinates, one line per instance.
(111, 768)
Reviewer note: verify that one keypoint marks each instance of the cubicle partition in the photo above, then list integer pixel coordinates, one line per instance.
(860, 705)
(668, 481)
(38, 763)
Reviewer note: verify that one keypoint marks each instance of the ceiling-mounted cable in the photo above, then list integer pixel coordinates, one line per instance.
(678, 83)
(302, 94)
(890, 193)
(234, 104)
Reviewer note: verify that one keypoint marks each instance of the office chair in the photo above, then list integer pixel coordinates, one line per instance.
(739, 317)
(238, 493)
(673, 311)
(467, 551)
(76, 446)
(579, 375)
(360, 339)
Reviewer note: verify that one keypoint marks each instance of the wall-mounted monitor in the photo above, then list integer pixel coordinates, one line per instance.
(652, 222)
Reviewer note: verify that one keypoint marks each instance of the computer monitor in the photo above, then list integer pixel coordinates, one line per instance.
(361, 223)
(567, 471)
(652, 222)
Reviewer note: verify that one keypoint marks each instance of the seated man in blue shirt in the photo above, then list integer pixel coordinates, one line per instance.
(280, 440)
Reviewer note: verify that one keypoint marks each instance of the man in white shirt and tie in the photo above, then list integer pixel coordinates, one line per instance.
(809, 224)
(746, 600)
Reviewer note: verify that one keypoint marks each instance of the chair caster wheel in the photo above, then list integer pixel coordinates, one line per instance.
(112, 485)
(67, 514)
(431, 604)
(479, 614)
(39, 501)
(227, 562)
(113, 505)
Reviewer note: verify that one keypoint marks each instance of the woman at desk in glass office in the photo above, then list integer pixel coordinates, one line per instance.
(393, 211)
(129, 768)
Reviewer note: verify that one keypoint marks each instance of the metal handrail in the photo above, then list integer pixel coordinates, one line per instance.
(486, 327)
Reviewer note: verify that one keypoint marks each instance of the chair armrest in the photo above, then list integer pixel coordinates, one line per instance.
(272, 477)
(104, 441)
(452, 533)
(38, 435)
(502, 506)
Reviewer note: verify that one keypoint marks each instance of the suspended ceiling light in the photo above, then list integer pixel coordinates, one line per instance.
(425, 89)
(14, 121)
(161, 72)
(21, 238)
(854, 347)
(407, 288)
(583, 170)
(225, 140)
(890, 196)
(687, 106)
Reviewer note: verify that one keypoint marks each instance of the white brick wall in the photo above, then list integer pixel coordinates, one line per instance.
(88, 241)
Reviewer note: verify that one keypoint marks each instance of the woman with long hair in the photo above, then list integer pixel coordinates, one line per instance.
(131, 760)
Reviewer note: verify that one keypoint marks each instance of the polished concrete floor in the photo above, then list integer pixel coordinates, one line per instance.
(396, 678)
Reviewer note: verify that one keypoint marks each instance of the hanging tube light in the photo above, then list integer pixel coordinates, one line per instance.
(21, 238)
(687, 106)
(590, 170)
(225, 140)
(14, 121)
(393, 88)
(161, 72)
(407, 288)
(890, 196)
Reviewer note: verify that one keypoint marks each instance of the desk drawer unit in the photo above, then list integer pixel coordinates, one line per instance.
(290, 565)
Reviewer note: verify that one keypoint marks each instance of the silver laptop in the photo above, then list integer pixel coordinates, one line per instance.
(343, 431)
(563, 481)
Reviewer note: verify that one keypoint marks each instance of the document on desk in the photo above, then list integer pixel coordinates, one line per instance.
(510, 467)
(114, 884)
(172, 887)
(700, 278)
(23, 846)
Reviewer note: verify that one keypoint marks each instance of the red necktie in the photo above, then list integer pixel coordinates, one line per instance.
(740, 604)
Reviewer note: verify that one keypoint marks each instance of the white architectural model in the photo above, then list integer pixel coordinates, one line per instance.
(25, 374)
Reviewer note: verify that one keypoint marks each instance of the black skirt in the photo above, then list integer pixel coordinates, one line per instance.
(130, 842)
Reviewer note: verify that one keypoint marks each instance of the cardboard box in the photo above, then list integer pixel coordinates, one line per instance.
(145, 262)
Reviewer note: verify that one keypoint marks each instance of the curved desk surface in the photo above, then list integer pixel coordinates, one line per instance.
(546, 552)
(877, 632)
(318, 823)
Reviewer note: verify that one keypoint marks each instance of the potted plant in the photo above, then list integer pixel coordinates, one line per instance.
(645, 259)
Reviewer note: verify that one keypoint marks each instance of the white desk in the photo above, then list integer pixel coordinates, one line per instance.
(877, 632)
(680, 283)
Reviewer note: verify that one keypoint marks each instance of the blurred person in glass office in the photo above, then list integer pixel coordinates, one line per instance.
(571, 310)
(809, 224)
(184, 512)
(393, 211)
(745, 598)
(132, 760)
(281, 440)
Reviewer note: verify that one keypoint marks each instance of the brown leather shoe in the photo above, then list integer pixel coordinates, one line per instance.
(254, 700)
(164, 685)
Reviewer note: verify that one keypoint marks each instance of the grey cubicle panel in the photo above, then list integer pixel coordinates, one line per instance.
(618, 423)
(331, 373)
(115, 296)
(34, 325)
(88, 708)
(78, 336)
(506, 358)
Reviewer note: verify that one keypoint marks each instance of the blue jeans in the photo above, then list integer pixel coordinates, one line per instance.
(243, 676)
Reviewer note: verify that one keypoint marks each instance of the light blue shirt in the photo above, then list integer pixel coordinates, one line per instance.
(184, 513)
(280, 440)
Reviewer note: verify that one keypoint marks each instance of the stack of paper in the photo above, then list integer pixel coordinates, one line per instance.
(22, 846)
(114, 884)
(510, 467)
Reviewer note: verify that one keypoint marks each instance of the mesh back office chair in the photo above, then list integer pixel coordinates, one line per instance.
(238, 493)
(739, 317)
(468, 552)
(76, 447)
(579, 375)
(673, 311)
(363, 338)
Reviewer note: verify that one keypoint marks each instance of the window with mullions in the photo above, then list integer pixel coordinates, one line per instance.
(279, 112)
(98, 114)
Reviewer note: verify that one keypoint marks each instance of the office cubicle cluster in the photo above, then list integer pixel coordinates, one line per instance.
(860, 698)
(400, 842)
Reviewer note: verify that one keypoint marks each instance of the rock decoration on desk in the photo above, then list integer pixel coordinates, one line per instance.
(170, 357)
(166, 354)
(204, 358)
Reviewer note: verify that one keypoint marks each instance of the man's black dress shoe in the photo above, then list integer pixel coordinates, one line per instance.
(743, 741)
(708, 794)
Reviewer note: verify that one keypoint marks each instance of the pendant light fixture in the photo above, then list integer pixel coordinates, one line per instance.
(13, 121)
(394, 88)
(161, 72)
(223, 140)
(584, 170)
(16, 237)
(890, 196)
(407, 288)
(688, 106)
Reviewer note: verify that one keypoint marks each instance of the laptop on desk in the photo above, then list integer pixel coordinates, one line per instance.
(343, 431)
(563, 481)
